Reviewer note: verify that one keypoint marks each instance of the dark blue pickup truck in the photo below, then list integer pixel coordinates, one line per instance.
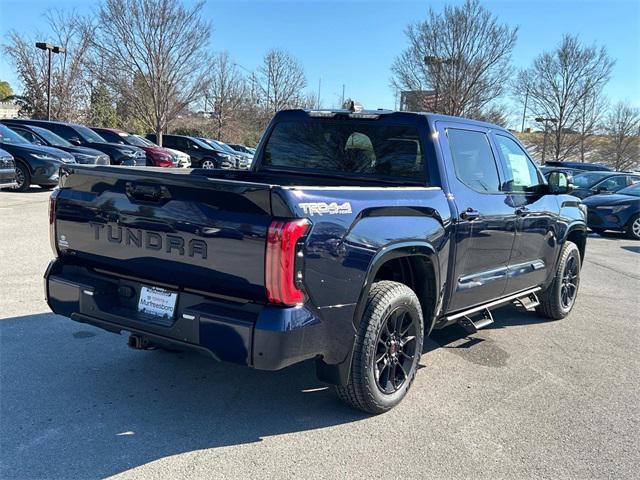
(354, 234)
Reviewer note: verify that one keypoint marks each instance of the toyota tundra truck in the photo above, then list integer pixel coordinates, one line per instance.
(352, 237)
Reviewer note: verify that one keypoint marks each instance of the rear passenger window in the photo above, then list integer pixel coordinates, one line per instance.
(473, 160)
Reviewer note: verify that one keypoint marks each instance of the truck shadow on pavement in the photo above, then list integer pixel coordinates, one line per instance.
(75, 402)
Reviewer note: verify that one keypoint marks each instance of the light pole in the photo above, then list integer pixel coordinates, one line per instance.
(437, 62)
(524, 112)
(51, 49)
(546, 130)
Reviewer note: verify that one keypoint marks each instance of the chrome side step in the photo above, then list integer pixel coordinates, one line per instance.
(472, 327)
(528, 299)
(529, 303)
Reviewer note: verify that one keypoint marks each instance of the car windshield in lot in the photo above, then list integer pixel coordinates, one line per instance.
(52, 138)
(633, 190)
(9, 136)
(133, 140)
(586, 180)
(358, 148)
(224, 147)
(88, 134)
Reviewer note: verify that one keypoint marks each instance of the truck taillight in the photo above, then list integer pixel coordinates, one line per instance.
(283, 273)
(52, 220)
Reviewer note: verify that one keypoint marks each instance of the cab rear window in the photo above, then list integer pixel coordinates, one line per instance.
(348, 147)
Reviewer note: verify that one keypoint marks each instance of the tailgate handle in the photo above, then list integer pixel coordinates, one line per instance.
(147, 193)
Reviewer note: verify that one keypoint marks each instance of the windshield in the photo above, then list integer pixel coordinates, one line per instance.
(358, 147)
(586, 180)
(52, 138)
(633, 190)
(133, 140)
(201, 143)
(225, 147)
(9, 136)
(147, 143)
(88, 135)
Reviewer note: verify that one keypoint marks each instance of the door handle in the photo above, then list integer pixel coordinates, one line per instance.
(522, 211)
(469, 214)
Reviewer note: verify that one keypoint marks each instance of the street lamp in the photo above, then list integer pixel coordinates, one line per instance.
(51, 49)
(437, 62)
(546, 129)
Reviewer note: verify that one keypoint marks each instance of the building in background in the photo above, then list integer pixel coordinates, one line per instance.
(8, 109)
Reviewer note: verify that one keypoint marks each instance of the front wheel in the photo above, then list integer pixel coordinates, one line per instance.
(23, 178)
(633, 228)
(387, 349)
(208, 164)
(558, 299)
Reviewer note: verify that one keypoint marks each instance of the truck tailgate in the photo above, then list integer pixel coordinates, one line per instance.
(181, 227)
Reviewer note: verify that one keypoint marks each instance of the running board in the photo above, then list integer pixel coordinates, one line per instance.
(529, 303)
(472, 327)
(494, 303)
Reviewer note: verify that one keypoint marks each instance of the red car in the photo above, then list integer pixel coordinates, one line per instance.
(156, 156)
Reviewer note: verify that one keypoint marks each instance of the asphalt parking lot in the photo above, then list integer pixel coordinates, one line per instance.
(526, 398)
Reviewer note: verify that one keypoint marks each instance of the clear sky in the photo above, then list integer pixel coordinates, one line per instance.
(354, 42)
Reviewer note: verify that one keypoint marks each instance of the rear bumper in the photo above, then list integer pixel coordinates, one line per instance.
(263, 337)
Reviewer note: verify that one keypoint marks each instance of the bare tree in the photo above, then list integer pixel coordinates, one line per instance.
(622, 146)
(157, 56)
(282, 81)
(591, 112)
(68, 94)
(561, 84)
(463, 54)
(227, 92)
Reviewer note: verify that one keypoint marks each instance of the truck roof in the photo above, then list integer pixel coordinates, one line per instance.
(431, 117)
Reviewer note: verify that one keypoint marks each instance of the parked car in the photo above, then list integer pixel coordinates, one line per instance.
(180, 159)
(242, 160)
(581, 166)
(202, 154)
(35, 164)
(42, 136)
(7, 170)
(346, 244)
(242, 148)
(80, 135)
(156, 156)
(619, 211)
(593, 183)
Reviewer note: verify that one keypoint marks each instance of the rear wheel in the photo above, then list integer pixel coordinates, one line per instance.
(633, 228)
(23, 177)
(557, 301)
(387, 349)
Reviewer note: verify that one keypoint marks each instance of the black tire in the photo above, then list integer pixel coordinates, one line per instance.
(23, 177)
(558, 299)
(384, 365)
(632, 230)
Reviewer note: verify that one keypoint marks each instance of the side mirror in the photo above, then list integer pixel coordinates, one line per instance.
(75, 141)
(36, 142)
(559, 183)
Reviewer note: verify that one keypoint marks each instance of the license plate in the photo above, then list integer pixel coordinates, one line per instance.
(157, 302)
